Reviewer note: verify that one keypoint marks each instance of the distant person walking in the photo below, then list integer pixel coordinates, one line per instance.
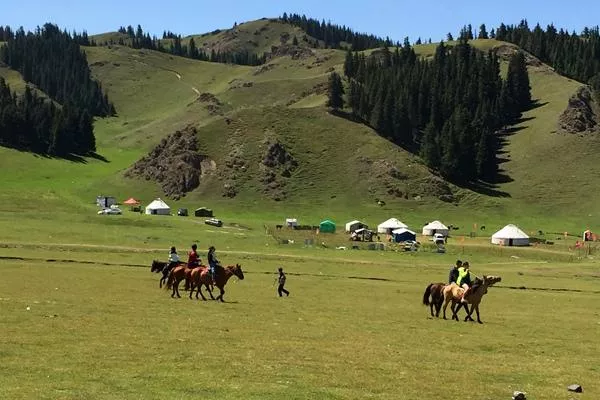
(281, 280)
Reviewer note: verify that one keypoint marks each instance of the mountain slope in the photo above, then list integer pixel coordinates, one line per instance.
(342, 166)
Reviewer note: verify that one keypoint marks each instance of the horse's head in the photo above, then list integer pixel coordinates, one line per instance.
(237, 271)
(491, 280)
(157, 266)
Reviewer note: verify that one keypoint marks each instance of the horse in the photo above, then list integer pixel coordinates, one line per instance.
(435, 292)
(201, 278)
(176, 275)
(454, 293)
(157, 266)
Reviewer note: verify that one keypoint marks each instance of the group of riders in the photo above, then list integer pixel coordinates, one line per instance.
(194, 261)
(461, 275)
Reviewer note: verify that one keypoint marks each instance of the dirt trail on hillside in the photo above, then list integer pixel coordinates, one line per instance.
(177, 74)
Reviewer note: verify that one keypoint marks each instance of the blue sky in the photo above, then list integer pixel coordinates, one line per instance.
(394, 18)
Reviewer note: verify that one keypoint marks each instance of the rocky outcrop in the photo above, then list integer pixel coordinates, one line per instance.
(175, 164)
(581, 114)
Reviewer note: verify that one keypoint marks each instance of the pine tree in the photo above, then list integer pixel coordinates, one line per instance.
(335, 91)
(483, 34)
(517, 80)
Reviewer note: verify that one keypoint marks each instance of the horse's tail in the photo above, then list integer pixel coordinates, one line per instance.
(427, 294)
(170, 280)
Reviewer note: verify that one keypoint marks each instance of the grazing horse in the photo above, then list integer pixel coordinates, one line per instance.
(176, 275)
(435, 292)
(202, 278)
(454, 293)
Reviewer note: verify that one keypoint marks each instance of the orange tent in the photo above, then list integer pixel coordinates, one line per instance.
(131, 202)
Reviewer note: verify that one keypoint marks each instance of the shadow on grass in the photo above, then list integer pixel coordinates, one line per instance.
(77, 158)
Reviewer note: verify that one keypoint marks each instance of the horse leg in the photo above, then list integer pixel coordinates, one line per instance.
(207, 286)
(438, 307)
(476, 307)
(221, 295)
(446, 301)
(455, 307)
(469, 312)
(200, 292)
(192, 290)
(177, 288)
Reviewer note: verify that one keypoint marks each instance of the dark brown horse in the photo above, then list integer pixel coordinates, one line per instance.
(176, 275)
(201, 277)
(434, 297)
(158, 267)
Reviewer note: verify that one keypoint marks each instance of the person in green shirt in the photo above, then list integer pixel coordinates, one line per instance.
(464, 279)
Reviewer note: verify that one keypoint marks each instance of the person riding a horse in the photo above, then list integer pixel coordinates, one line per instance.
(453, 276)
(173, 259)
(213, 263)
(464, 279)
(193, 259)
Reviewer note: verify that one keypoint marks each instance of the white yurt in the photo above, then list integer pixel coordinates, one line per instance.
(435, 227)
(390, 225)
(158, 207)
(354, 225)
(510, 235)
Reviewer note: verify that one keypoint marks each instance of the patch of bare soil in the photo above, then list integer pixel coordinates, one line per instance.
(213, 104)
(175, 164)
(234, 166)
(506, 51)
(294, 51)
(276, 167)
(581, 114)
(397, 181)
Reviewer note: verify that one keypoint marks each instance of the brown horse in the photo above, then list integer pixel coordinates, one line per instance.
(434, 297)
(201, 278)
(453, 293)
(176, 275)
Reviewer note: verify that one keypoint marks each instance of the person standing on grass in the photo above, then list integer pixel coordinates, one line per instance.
(281, 280)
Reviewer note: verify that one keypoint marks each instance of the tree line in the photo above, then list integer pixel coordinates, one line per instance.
(576, 56)
(137, 39)
(33, 123)
(447, 110)
(54, 62)
(334, 36)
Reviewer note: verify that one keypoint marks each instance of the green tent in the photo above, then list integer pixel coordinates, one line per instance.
(327, 226)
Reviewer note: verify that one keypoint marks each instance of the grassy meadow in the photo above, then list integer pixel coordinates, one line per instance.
(100, 329)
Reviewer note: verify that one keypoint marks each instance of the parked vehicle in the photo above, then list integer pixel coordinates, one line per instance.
(110, 211)
(438, 238)
(214, 222)
(182, 212)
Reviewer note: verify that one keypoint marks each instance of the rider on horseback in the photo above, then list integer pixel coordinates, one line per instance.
(453, 276)
(193, 259)
(464, 279)
(173, 260)
(213, 263)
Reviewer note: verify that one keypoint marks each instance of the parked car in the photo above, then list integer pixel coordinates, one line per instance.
(438, 238)
(182, 212)
(214, 222)
(110, 211)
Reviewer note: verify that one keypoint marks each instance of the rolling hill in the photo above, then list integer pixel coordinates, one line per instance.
(342, 167)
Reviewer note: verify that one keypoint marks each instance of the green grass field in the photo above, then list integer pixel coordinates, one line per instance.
(104, 330)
